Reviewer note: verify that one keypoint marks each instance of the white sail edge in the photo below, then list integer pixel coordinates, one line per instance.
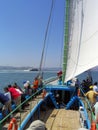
(83, 37)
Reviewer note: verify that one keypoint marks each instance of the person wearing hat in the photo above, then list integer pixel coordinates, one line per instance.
(28, 89)
(91, 95)
(37, 125)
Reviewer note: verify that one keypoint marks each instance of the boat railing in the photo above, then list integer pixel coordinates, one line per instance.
(30, 98)
(50, 80)
(19, 112)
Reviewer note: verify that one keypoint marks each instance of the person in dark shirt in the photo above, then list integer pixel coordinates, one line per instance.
(6, 103)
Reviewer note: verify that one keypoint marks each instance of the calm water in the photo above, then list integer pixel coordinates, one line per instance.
(9, 77)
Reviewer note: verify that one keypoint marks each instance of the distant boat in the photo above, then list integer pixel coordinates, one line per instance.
(33, 69)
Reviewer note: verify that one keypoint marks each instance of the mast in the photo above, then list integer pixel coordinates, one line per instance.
(46, 33)
(65, 39)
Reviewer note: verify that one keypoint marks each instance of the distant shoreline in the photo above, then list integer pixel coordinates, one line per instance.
(29, 68)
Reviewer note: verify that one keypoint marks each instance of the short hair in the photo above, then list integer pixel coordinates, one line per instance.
(9, 86)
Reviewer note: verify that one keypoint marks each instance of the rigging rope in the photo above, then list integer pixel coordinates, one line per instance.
(46, 33)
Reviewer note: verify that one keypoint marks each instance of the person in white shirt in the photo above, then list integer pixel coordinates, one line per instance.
(95, 87)
(7, 93)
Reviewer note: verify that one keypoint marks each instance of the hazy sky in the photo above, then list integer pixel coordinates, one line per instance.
(22, 32)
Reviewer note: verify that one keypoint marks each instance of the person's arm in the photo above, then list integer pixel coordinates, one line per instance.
(97, 118)
(93, 110)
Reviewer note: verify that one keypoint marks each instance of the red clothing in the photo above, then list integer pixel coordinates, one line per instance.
(59, 73)
(35, 84)
(14, 93)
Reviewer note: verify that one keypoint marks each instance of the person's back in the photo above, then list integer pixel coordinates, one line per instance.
(18, 90)
(3, 98)
(14, 92)
(28, 89)
(7, 93)
(85, 86)
(91, 95)
(6, 103)
(35, 83)
(16, 96)
(16, 86)
(40, 82)
(95, 88)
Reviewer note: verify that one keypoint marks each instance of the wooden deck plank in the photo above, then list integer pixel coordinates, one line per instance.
(63, 120)
(58, 119)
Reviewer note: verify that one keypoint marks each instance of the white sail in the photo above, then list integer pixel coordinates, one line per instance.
(83, 37)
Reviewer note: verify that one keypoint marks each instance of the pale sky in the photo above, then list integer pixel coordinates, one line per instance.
(22, 32)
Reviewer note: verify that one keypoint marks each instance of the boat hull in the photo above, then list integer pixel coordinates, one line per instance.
(57, 111)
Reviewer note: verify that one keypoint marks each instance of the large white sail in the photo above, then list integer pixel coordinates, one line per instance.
(83, 37)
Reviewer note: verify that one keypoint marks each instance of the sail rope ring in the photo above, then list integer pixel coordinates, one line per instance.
(13, 124)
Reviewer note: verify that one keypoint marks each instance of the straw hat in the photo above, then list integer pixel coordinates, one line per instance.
(37, 125)
(91, 87)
